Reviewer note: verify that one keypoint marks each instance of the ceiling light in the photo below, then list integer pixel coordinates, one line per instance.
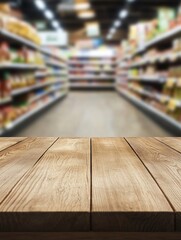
(117, 23)
(130, 0)
(86, 14)
(40, 4)
(82, 6)
(123, 14)
(48, 14)
(55, 24)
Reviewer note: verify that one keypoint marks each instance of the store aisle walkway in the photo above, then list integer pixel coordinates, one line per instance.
(88, 114)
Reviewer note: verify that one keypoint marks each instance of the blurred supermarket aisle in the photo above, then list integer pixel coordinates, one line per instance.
(87, 114)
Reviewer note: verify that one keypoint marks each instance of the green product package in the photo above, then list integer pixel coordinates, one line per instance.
(165, 15)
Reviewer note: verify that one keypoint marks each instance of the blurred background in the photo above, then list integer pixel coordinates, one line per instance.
(90, 68)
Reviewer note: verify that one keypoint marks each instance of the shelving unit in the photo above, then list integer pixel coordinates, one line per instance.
(21, 66)
(89, 77)
(168, 36)
(50, 82)
(27, 89)
(150, 109)
(154, 91)
(154, 79)
(55, 64)
(24, 117)
(91, 86)
(91, 72)
(4, 101)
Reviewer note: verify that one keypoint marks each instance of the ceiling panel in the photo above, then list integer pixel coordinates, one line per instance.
(106, 12)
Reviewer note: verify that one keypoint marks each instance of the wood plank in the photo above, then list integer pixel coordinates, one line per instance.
(89, 236)
(16, 160)
(164, 164)
(124, 195)
(55, 194)
(174, 143)
(6, 142)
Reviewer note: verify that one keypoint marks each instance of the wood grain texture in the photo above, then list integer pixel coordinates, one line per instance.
(55, 194)
(6, 142)
(164, 164)
(124, 195)
(89, 236)
(16, 160)
(174, 143)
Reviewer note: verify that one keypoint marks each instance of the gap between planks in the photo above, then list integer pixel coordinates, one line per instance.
(14, 141)
(151, 176)
(118, 211)
(162, 158)
(12, 146)
(74, 156)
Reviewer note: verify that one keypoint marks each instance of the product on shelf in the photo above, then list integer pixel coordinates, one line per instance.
(22, 55)
(21, 80)
(5, 8)
(92, 71)
(56, 53)
(11, 112)
(155, 55)
(140, 34)
(23, 92)
(154, 66)
(5, 87)
(19, 27)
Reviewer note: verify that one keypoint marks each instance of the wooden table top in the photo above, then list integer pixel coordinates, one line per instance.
(100, 184)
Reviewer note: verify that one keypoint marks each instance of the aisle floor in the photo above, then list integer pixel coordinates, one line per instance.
(93, 114)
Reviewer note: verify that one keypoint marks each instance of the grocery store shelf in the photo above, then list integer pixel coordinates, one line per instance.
(88, 62)
(4, 101)
(142, 92)
(139, 64)
(48, 92)
(165, 36)
(23, 118)
(19, 39)
(20, 66)
(161, 38)
(124, 66)
(154, 60)
(23, 41)
(55, 63)
(138, 51)
(156, 96)
(40, 75)
(74, 77)
(125, 58)
(27, 89)
(162, 98)
(171, 57)
(61, 73)
(91, 86)
(49, 53)
(155, 79)
(92, 70)
(140, 103)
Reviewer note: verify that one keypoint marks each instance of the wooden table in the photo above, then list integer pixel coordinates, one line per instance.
(100, 188)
